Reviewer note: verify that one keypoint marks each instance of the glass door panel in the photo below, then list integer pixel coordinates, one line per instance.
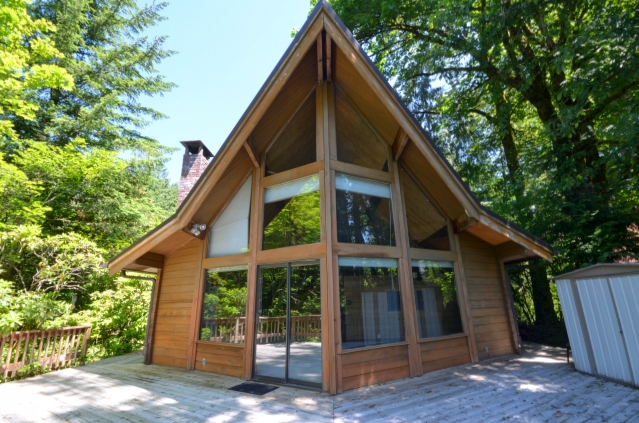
(305, 359)
(270, 334)
(288, 347)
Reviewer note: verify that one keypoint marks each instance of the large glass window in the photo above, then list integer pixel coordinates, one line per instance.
(294, 145)
(224, 305)
(427, 228)
(230, 232)
(357, 143)
(292, 213)
(364, 211)
(436, 299)
(370, 302)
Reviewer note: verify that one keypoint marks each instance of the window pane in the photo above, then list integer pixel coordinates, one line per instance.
(230, 232)
(357, 143)
(224, 305)
(294, 146)
(436, 299)
(427, 228)
(364, 211)
(370, 302)
(292, 214)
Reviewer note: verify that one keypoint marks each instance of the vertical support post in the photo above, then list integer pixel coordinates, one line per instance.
(195, 308)
(254, 245)
(85, 343)
(467, 312)
(150, 326)
(330, 358)
(512, 316)
(405, 276)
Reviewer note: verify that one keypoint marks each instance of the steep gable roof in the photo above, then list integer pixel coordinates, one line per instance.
(484, 222)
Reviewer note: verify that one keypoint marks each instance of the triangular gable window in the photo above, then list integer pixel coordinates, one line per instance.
(294, 145)
(427, 228)
(230, 232)
(357, 142)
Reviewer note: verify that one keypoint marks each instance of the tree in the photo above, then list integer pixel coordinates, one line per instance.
(550, 88)
(113, 66)
(27, 65)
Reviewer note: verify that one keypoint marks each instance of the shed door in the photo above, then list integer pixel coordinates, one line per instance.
(625, 291)
(604, 329)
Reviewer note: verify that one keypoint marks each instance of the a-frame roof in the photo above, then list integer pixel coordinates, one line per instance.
(516, 242)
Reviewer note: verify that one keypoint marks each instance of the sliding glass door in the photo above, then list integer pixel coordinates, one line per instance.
(288, 326)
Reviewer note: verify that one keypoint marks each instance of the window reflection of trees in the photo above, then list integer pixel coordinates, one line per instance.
(364, 219)
(224, 306)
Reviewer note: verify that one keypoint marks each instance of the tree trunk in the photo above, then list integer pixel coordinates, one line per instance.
(542, 298)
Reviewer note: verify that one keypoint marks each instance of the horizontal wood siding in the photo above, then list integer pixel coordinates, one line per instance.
(368, 367)
(171, 337)
(486, 296)
(444, 353)
(223, 359)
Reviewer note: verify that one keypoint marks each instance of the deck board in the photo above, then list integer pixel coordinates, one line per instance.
(538, 386)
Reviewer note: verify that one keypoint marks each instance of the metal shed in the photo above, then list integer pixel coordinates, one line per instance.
(600, 305)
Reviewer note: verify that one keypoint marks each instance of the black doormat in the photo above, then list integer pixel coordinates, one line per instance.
(253, 388)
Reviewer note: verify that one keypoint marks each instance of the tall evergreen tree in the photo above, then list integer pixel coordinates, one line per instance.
(113, 65)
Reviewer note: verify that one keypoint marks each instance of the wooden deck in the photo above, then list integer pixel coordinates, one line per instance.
(536, 387)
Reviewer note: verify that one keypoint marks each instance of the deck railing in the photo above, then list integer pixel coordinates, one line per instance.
(269, 329)
(54, 349)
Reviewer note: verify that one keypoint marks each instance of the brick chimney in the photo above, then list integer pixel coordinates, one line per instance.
(196, 158)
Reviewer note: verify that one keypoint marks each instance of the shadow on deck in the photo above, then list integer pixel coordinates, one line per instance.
(538, 386)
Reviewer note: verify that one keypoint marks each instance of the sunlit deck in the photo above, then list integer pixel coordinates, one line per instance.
(536, 387)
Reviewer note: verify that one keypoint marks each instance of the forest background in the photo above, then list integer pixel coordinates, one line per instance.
(536, 105)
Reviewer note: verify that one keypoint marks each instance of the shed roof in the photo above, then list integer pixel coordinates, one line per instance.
(488, 225)
(601, 269)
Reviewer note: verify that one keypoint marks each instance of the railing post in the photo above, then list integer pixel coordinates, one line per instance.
(85, 343)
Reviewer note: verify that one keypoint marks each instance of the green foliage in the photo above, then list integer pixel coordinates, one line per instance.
(118, 318)
(78, 181)
(27, 64)
(43, 264)
(93, 192)
(27, 310)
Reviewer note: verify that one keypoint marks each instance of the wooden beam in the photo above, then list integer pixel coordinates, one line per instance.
(151, 260)
(254, 239)
(510, 307)
(464, 222)
(329, 64)
(320, 59)
(510, 251)
(364, 172)
(516, 236)
(153, 311)
(465, 309)
(405, 277)
(401, 139)
(232, 260)
(249, 150)
(196, 306)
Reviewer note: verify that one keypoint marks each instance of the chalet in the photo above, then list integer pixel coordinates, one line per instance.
(329, 243)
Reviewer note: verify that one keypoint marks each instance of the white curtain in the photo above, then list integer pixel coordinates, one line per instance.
(230, 232)
(291, 189)
(430, 318)
(362, 186)
(368, 317)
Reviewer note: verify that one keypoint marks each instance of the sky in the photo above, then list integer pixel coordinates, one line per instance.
(226, 50)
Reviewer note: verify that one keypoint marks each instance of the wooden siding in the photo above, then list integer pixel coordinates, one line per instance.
(444, 353)
(222, 359)
(374, 365)
(486, 296)
(171, 340)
